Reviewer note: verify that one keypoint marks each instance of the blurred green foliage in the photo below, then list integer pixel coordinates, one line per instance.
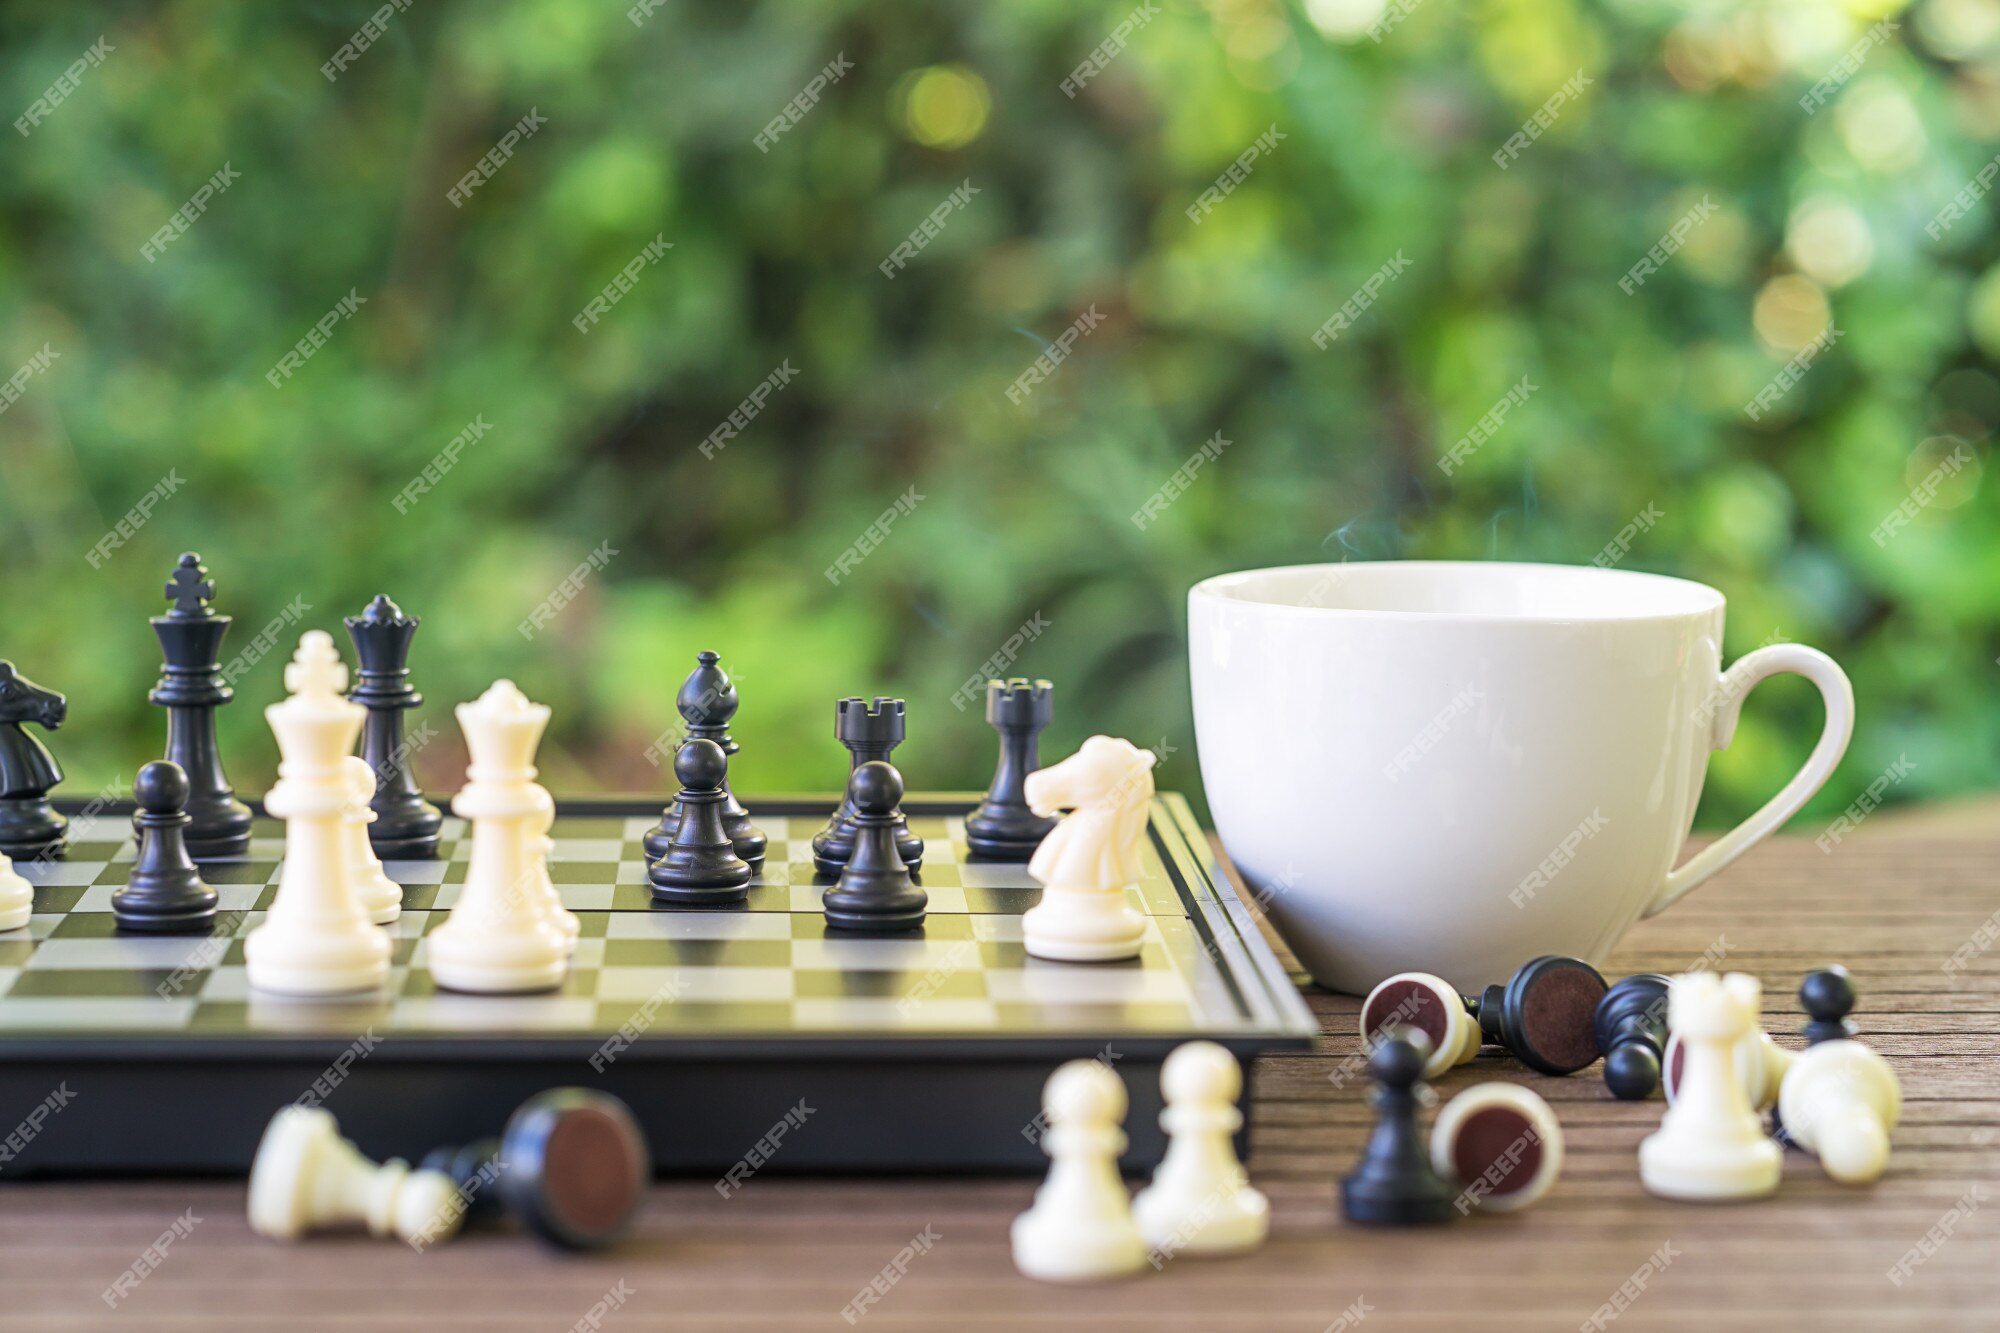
(1818, 216)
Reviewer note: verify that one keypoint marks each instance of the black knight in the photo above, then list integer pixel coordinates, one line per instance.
(29, 827)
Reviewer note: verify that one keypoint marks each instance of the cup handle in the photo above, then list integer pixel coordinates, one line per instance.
(1731, 688)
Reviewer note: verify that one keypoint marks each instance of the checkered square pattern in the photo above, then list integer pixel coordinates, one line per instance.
(768, 967)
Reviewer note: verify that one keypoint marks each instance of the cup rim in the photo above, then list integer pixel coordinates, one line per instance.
(1705, 598)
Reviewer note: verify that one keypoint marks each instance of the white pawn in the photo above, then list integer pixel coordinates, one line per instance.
(1089, 861)
(17, 896)
(379, 896)
(1201, 1201)
(306, 1178)
(1839, 1102)
(547, 900)
(1080, 1227)
(1710, 1144)
(316, 939)
(498, 939)
(1760, 1065)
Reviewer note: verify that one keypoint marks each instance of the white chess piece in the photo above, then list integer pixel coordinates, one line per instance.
(306, 1177)
(379, 896)
(1080, 1227)
(1760, 1065)
(316, 939)
(560, 919)
(498, 938)
(1090, 860)
(1711, 1144)
(1201, 1200)
(17, 896)
(1839, 1102)
(1423, 1001)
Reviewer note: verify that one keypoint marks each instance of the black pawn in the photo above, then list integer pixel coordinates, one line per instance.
(191, 689)
(164, 893)
(1827, 996)
(1003, 828)
(871, 733)
(572, 1166)
(1394, 1184)
(30, 828)
(875, 891)
(406, 825)
(1631, 1029)
(707, 702)
(701, 866)
(1545, 1014)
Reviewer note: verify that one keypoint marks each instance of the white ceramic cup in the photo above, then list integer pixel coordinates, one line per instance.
(1455, 767)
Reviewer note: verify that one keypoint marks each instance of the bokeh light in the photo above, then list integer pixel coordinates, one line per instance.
(944, 106)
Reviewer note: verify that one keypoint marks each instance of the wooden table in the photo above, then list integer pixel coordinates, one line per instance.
(794, 1253)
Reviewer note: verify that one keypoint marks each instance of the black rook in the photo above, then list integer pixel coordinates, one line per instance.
(1003, 828)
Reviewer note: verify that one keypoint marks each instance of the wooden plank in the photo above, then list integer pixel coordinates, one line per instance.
(786, 1254)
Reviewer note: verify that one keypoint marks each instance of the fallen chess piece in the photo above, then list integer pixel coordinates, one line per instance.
(1630, 1024)
(1201, 1200)
(1502, 1145)
(1395, 1183)
(1080, 1228)
(1710, 1144)
(29, 825)
(572, 1166)
(1543, 1016)
(163, 891)
(1090, 861)
(1839, 1102)
(307, 1178)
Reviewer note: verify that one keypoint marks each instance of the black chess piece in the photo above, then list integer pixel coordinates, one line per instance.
(1827, 996)
(871, 732)
(406, 825)
(707, 702)
(164, 893)
(191, 689)
(1543, 1015)
(1003, 828)
(29, 825)
(1394, 1183)
(875, 891)
(1630, 1024)
(571, 1166)
(701, 866)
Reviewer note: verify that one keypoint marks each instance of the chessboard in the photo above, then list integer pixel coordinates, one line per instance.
(880, 1053)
